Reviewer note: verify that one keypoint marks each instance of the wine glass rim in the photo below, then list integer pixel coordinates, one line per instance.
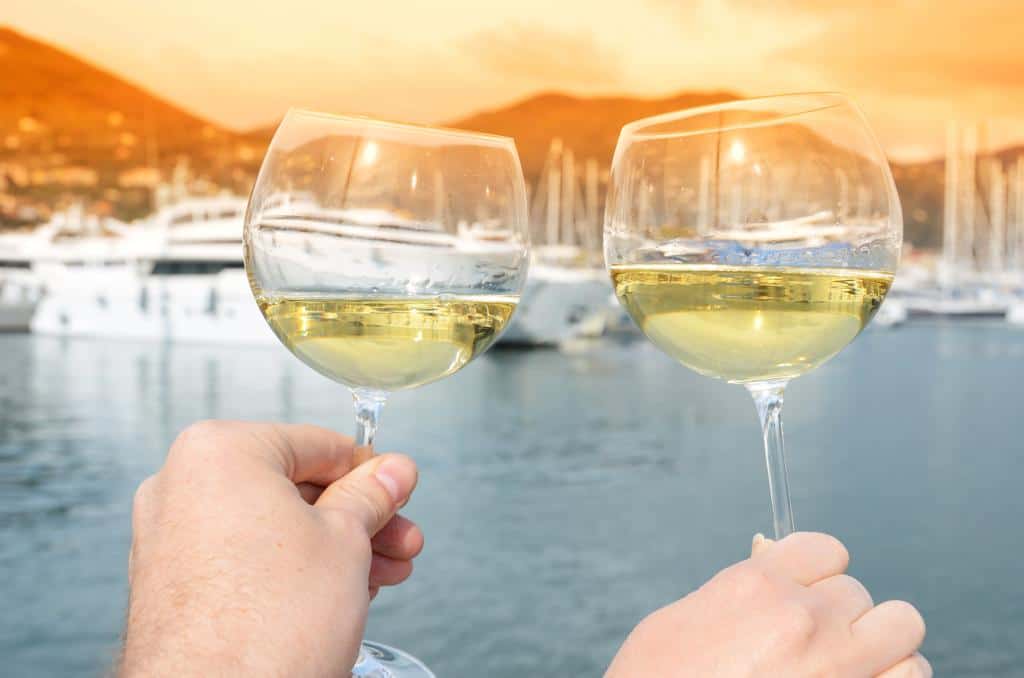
(826, 100)
(411, 127)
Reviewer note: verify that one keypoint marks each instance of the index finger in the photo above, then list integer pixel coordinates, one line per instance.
(803, 557)
(301, 452)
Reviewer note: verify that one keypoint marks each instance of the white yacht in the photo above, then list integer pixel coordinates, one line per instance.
(568, 291)
(961, 303)
(177, 277)
(892, 312)
(560, 301)
(20, 292)
(1015, 316)
(20, 289)
(180, 276)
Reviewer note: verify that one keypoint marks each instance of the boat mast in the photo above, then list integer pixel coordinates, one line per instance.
(997, 217)
(1017, 225)
(590, 240)
(554, 186)
(568, 198)
(968, 188)
(951, 209)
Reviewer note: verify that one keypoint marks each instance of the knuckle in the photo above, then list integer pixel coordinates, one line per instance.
(795, 623)
(828, 668)
(372, 507)
(839, 550)
(354, 509)
(208, 441)
(832, 546)
(142, 499)
(201, 430)
(909, 619)
(195, 436)
(913, 667)
(857, 590)
(652, 627)
(747, 581)
(346, 522)
(349, 530)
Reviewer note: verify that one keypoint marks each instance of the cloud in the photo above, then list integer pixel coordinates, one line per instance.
(533, 53)
(920, 48)
(911, 64)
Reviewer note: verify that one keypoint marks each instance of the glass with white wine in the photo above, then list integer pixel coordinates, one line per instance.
(386, 256)
(752, 241)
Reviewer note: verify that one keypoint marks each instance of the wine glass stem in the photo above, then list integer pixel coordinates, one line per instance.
(368, 406)
(768, 400)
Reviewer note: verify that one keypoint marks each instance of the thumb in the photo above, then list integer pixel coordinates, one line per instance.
(373, 491)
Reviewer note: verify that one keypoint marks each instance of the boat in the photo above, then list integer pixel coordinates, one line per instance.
(961, 303)
(559, 303)
(176, 277)
(20, 292)
(20, 288)
(893, 312)
(983, 234)
(1015, 315)
(179, 276)
(567, 294)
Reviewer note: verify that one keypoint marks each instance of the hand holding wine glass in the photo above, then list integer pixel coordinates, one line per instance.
(256, 549)
(386, 256)
(788, 610)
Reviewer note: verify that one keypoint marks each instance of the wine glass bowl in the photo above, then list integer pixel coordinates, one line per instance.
(385, 256)
(753, 240)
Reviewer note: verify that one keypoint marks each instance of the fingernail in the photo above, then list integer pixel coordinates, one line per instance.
(393, 474)
(758, 540)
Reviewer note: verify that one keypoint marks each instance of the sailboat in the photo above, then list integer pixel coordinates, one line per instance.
(983, 239)
(568, 292)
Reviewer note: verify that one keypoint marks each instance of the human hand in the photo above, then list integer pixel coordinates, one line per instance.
(256, 550)
(787, 611)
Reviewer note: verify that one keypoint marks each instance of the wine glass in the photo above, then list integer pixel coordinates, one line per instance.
(385, 256)
(752, 241)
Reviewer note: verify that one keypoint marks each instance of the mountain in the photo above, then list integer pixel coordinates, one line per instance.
(589, 126)
(56, 109)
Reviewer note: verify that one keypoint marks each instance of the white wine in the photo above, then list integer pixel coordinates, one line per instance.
(748, 323)
(387, 343)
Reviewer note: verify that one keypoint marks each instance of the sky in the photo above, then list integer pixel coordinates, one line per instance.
(912, 65)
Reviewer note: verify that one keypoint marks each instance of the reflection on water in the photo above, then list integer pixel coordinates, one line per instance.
(563, 496)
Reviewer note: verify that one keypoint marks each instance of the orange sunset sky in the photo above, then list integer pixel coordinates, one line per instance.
(911, 64)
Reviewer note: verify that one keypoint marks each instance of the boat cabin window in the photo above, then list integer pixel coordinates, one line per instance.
(14, 264)
(199, 217)
(170, 267)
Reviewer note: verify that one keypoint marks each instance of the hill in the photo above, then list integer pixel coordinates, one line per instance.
(589, 126)
(58, 110)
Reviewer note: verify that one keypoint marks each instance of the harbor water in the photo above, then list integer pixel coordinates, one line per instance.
(563, 496)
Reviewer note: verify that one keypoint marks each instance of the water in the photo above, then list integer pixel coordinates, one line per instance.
(563, 497)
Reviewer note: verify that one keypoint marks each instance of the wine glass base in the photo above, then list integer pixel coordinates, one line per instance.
(383, 661)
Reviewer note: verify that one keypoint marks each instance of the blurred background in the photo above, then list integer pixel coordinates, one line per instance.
(567, 491)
